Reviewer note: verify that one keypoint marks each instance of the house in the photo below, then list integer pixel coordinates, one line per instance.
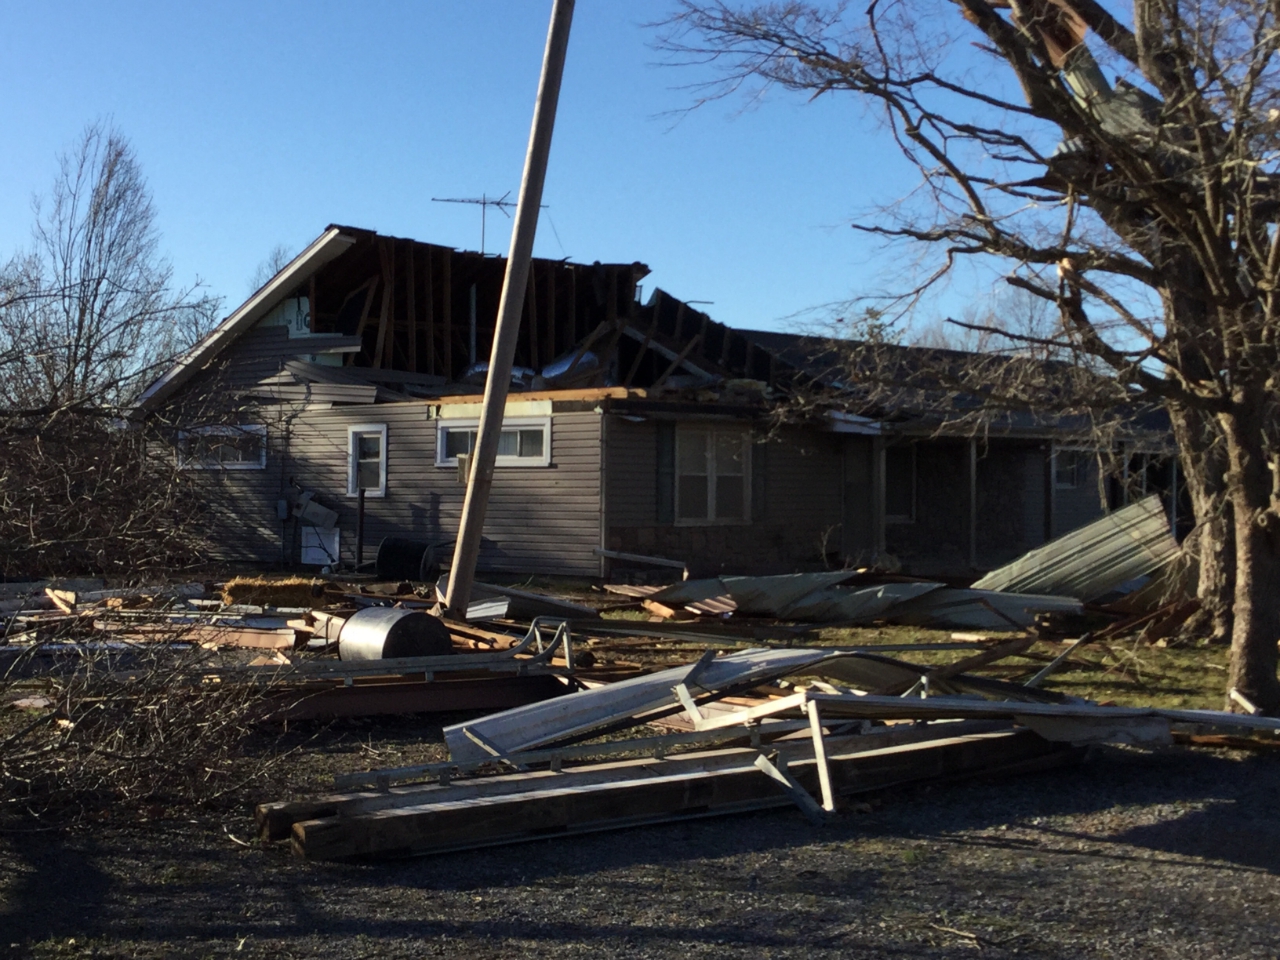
(636, 425)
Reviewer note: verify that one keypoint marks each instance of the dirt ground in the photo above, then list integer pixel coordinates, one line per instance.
(1137, 853)
(1168, 853)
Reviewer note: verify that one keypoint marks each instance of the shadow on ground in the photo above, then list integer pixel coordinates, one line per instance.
(167, 882)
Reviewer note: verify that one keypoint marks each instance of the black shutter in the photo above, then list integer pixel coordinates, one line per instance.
(666, 474)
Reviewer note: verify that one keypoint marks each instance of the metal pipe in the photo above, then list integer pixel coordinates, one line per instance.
(510, 306)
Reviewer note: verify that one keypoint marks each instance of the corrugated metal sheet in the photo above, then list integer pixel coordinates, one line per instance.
(1089, 562)
(838, 604)
(952, 608)
(820, 598)
(526, 727)
(756, 596)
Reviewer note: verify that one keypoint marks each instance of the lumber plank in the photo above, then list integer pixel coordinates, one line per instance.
(275, 820)
(483, 821)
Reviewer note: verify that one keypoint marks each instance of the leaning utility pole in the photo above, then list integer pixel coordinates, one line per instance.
(505, 335)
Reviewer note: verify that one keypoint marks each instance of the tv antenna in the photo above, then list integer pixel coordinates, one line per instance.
(484, 202)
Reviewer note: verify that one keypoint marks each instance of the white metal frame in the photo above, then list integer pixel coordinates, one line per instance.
(366, 429)
(228, 430)
(508, 423)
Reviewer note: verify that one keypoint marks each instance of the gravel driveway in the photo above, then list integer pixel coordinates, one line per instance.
(1167, 853)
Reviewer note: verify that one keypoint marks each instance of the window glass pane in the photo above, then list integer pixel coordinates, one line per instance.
(691, 452)
(508, 443)
(692, 497)
(1068, 470)
(369, 446)
(368, 475)
(248, 447)
(531, 443)
(456, 442)
(899, 482)
(729, 454)
(729, 499)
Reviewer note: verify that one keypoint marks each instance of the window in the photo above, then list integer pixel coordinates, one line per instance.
(524, 442)
(1070, 467)
(238, 447)
(712, 474)
(900, 484)
(367, 460)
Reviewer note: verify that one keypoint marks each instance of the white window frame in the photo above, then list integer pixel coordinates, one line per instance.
(1080, 460)
(508, 423)
(224, 430)
(712, 430)
(366, 429)
(915, 484)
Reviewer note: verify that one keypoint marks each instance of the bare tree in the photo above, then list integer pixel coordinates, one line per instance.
(1142, 208)
(274, 262)
(91, 310)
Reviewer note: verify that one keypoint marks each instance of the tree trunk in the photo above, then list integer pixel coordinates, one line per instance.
(1251, 490)
(1204, 466)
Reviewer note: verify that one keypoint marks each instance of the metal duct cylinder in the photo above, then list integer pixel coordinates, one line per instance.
(385, 633)
(402, 559)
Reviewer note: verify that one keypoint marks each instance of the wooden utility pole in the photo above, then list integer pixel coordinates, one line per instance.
(507, 333)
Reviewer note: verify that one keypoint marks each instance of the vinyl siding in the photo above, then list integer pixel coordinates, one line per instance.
(540, 519)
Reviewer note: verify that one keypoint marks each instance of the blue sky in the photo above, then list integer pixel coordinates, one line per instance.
(259, 123)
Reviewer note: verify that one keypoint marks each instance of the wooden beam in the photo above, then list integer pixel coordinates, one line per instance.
(552, 276)
(570, 335)
(312, 312)
(429, 309)
(702, 332)
(531, 315)
(586, 345)
(389, 356)
(635, 364)
(412, 307)
(724, 347)
(384, 316)
(446, 283)
(369, 287)
(680, 358)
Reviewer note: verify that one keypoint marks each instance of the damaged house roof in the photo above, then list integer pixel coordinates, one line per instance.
(385, 318)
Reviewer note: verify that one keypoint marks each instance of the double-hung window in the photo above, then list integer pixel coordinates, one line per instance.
(236, 447)
(367, 460)
(713, 474)
(524, 442)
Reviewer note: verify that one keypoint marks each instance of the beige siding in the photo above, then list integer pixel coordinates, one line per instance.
(540, 519)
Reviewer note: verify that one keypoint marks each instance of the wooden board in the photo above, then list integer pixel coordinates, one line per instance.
(496, 819)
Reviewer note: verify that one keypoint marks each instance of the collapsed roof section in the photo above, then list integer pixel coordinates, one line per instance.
(359, 317)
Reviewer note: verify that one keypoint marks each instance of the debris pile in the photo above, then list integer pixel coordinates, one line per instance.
(522, 773)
